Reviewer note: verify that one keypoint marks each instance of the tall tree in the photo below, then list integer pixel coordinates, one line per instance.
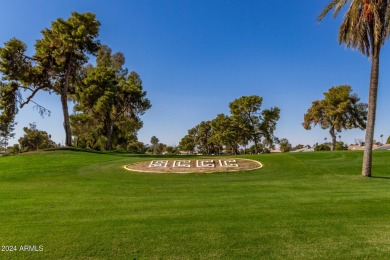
(340, 109)
(110, 100)
(155, 144)
(246, 112)
(366, 27)
(8, 109)
(202, 134)
(225, 132)
(201, 137)
(154, 140)
(187, 143)
(57, 61)
(62, 52)
(86, 130)
(285, 145)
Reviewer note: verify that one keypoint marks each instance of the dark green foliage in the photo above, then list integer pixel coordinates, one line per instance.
(285, 145)
(256, 150)
(172, 150)
(154, 140)
(227, 133)
(297, 147)
(109, 104)
(340, 146)
(34, 139)
(322, 147)
(187, 143)
(62, 52)
(388, 140)
(21, 73)
(57, 61)
(202, 134)
(258, 126)
(156, 148)
(15, 149)
(340, 109)
(8, 110)
(135, 147)
(14, 64)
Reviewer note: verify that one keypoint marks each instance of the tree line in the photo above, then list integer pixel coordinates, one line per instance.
(94, 127)
(339, 110)
(109, 99)
(247, 123)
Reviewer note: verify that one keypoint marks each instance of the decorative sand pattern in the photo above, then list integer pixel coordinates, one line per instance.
(195, 165)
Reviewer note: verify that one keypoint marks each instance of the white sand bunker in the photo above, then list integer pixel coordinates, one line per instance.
(195, 165)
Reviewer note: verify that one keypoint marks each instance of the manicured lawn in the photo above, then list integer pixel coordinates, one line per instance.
(81, 205)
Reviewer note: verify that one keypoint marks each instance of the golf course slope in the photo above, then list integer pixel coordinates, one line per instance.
(73, 204)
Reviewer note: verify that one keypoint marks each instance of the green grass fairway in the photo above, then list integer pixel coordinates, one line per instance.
(82, 205)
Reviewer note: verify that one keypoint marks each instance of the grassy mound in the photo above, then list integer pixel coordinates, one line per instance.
(78, 204)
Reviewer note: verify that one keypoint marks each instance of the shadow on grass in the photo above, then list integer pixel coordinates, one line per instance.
(113, 153)
(381, 177)
(119, 153)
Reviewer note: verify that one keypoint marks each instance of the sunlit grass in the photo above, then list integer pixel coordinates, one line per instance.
(299, 205)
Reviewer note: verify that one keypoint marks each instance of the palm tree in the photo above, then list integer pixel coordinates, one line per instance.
(366, 27)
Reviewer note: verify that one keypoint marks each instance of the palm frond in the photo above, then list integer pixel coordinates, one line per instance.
(387, 23)
(327, 9)
(366, 23)
(337, 5)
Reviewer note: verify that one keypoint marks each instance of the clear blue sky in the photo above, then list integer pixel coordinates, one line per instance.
(196, 56)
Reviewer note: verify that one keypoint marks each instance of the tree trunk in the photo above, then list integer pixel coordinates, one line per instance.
(373, 93)
(333, 135)
(64, 102)
(68, 133)
(254, 135)
(256, 144)
(110, 129)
